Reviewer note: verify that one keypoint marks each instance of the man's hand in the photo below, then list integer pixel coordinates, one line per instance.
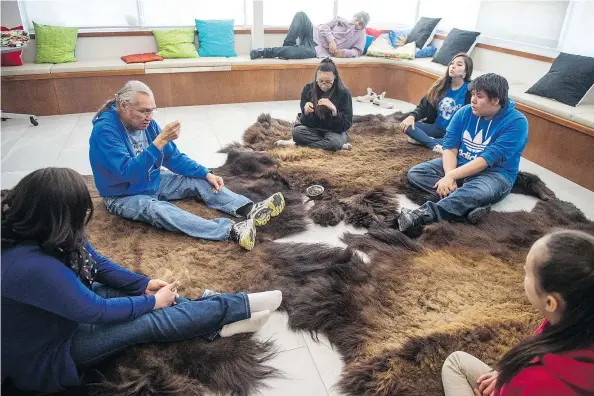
(339, 53)
(308, 108)
(215, 181)
(445, 186)
(166, 296)
(487, 383)
(408, 122)
(332, 47)
(170, 132)
(327, 103)
(154, 286)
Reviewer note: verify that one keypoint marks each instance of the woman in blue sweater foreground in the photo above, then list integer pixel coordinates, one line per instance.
(65, 307)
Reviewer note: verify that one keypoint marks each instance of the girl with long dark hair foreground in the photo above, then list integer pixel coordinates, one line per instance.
(65, 307)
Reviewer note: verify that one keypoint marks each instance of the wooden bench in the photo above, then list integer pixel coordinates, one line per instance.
(561, 137)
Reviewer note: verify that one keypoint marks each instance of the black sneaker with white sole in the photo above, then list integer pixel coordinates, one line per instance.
(409, 219)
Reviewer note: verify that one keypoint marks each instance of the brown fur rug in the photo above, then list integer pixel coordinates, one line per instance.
(394, 320)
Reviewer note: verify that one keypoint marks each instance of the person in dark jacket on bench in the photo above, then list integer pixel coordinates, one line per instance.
(340, 38)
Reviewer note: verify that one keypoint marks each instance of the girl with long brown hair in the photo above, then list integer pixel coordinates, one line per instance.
(437, 108)
(65, 307)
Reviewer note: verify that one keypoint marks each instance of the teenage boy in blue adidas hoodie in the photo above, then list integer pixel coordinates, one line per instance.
(127, 151)
(482, 150)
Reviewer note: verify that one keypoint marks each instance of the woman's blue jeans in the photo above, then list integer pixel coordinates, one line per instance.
(187, 319)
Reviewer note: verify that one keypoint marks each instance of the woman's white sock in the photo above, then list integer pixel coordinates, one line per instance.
(265, 301)
(251, 325)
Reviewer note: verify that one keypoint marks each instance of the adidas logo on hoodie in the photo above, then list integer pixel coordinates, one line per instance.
(474, 146)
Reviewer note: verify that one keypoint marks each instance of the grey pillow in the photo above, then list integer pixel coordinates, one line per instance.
(423, 32)
(456, 42)
(569, 79)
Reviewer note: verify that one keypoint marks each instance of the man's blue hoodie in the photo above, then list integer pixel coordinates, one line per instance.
(118, 171)
(499, 140)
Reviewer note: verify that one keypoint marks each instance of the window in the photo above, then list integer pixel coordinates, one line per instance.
(576, 37)
(536, 23)
(82, 14)
(383, 14)
(157, 13)
(281, 12)
(461, 15)
(131, 13)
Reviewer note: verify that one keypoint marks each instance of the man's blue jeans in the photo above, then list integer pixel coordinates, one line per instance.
(187, 319)
(484, 188)
(429, 135)
(301, 28)
(155, 210)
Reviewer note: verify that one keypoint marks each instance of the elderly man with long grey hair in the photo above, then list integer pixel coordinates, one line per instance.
(340, 38)
(127, 151)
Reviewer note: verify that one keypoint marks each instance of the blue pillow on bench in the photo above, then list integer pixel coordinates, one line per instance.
(216, 37)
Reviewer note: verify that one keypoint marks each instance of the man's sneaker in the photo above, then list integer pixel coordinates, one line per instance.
(409, 219)
(244, 233)
(367, 98)
(438, 148)
(380, 100)
(262, 211)
(412, 141)
(477, 215)
(347, 146)
(285, 143)
(257, 53)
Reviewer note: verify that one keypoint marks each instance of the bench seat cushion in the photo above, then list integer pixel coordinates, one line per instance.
(27, 68)
(243, 60)
(95, 65)
(518, 93)
(584, 115)
(191, 62)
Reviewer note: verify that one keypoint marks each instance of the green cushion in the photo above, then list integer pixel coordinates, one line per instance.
(55, 44)
(176, 43)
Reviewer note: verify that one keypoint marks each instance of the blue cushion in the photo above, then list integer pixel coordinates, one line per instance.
(398, 37)
(426, 52)
(216, 37)
(368, 42)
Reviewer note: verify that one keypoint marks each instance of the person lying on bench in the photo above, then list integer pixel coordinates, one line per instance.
(481, 154)
(559, 358)
(339, 38)
(127, 150)
(326, 112)
(58, 321)
(437, 108)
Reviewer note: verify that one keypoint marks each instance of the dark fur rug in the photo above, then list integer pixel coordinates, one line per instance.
(394, 318)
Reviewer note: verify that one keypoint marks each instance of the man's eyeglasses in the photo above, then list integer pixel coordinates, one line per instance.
(146, 112)
(325, 82)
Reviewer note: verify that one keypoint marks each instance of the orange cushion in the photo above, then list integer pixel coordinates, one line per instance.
(142, 58)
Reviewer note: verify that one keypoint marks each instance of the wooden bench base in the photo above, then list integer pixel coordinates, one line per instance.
(559, 145)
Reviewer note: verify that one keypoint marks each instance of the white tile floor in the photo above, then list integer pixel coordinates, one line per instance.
(310, 368)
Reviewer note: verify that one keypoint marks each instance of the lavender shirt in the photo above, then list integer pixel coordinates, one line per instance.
(344, 33)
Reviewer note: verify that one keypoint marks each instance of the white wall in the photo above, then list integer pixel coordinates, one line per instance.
(516, 69)
(532, 22)
(577, 36)
(9, 14)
